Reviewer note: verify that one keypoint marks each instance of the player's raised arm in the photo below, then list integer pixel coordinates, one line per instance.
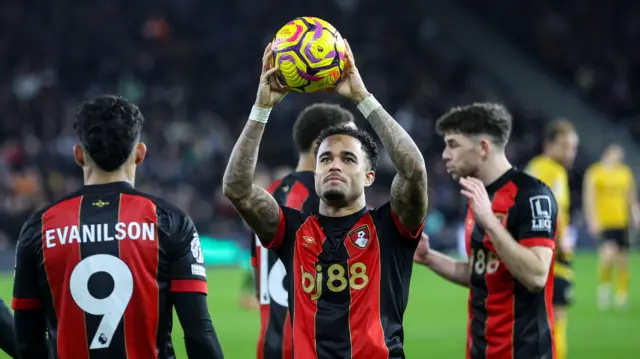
(256, 206)
(28, 309)
(409, 188)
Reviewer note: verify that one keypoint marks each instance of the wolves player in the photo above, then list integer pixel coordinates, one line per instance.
(510, 231)
(348, 267)
(101, 270)
(295, 190)
(7, 333)
(560, 147)
(611, 206)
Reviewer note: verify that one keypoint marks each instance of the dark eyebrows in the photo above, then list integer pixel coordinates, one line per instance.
(342, 153)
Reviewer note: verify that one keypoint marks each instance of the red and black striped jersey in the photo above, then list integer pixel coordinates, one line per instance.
(350, 282)
(275, 341)
(107, 265)
(507, 321)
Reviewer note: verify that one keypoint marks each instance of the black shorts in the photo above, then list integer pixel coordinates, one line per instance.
(562, 291)
(618, 236)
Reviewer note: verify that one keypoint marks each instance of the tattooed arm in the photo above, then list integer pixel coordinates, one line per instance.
(256, 206)
(409, 188)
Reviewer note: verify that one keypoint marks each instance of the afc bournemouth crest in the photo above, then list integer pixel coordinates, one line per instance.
(500, 217)
(360, 236)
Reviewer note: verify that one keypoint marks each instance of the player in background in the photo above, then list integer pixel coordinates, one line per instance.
(348, 267)
(99, 272)
(510, 229)
(610, 203)
(296, 190)
(560, 148)
(7, 333)
(248, 291)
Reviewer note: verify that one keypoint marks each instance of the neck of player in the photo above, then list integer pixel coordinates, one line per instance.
(342, 209)
(494, 167)
(95, 176)
(306, 162)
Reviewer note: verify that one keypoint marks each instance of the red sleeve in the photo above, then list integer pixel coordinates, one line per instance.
(538, 242)
(277, 240)
(188, 286)
(404, 231)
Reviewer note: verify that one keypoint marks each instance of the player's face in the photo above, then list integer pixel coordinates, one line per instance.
(565, 148)
(342, 170)
(614, 154)
(462, 155)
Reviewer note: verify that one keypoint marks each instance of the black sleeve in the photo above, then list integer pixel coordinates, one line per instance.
(199, 336)
(188, 272)
(536, 217)
(30, 323)
(25, 285)
(7, 332)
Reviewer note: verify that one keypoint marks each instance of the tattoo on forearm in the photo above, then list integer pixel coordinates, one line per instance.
(256, 206)
(261, 212)
(409, 188)
(404, 153)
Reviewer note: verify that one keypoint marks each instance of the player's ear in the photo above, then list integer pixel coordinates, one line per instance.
(485, 146)
(78, 155)
(141, 152)
(370, 177)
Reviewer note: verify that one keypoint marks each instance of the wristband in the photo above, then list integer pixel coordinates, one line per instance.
(259, 114)
(368, 105)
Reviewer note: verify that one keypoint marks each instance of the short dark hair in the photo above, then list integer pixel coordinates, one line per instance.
(477, 119)
(368, 143)
(556, 128)
(108, 127)
(315, 118)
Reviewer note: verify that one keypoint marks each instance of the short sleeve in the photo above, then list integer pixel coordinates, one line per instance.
(25, 287)
(289, 223)
(404, 231)
(188, 272)
(536, 218)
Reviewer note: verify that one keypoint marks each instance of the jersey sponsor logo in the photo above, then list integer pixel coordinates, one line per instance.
(196, 249)
(540, 213)
(101, 232)
(360, 236)
(197, 269)
(335, 279)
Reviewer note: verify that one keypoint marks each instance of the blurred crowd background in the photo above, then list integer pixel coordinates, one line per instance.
(193, 66)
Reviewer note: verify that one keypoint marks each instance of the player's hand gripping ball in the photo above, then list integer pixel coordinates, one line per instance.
(310, 54)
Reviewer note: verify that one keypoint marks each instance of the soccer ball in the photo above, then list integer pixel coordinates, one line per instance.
(310, 54)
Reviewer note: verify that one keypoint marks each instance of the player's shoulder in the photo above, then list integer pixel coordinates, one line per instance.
(32, 227)
(170, 217)
(529, 185)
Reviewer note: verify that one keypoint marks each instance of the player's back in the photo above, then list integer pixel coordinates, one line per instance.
(295, 190)
(106, 259)
(611, 185)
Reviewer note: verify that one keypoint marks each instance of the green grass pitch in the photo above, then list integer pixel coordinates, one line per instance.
(435, 319)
